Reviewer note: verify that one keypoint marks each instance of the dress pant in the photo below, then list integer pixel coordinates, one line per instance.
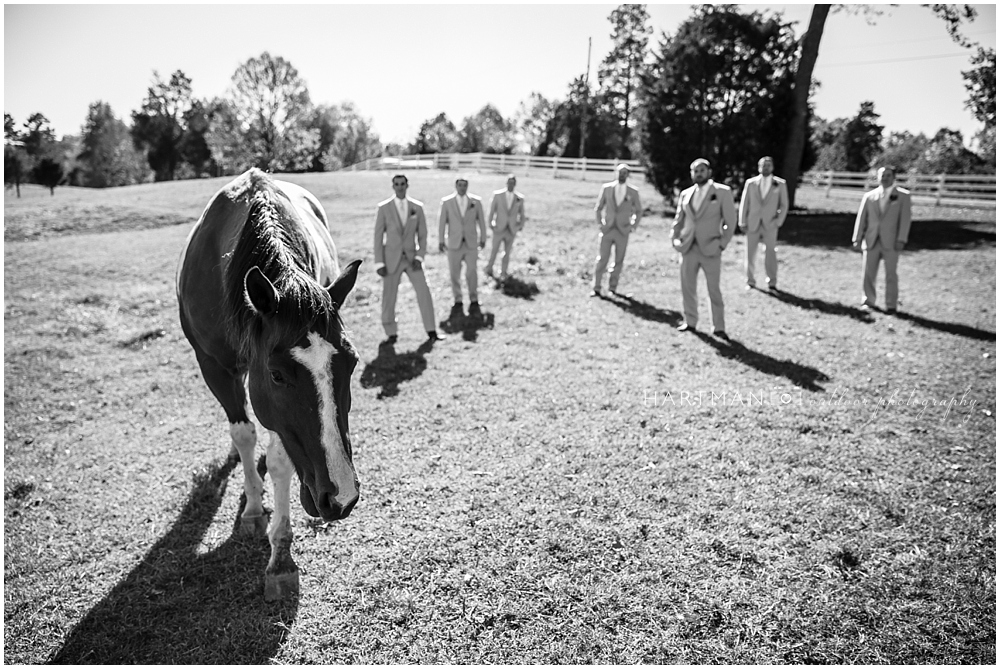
(871, 257)
(390, 288)
(619, 240)
(507, 239)
(468, 254)
(770, 238)
(691, 262)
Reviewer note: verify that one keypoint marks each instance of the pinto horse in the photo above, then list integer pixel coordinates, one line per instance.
(260, 292)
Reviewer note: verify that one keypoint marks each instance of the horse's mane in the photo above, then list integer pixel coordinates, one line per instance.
(280, 248)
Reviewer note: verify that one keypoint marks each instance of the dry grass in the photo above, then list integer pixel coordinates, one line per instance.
(542, 486)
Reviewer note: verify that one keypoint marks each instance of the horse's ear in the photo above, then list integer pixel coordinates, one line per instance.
(259, 292)
(344, 284)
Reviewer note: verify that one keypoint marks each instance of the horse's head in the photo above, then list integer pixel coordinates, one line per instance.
(300, 384)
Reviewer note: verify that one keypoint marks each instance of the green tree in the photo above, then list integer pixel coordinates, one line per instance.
(37, 135)
(49, 172)
(946, 154)
(158, 128)
(108, 157)
(16, 161)
(981, 84)
(486, 131)
(271, 103)
(226, 139)
(530, 120)
(862, 138)
(345, 137)
(904, 150)
(562, 134)
(436, 135)
(620, 72)
(719, 89)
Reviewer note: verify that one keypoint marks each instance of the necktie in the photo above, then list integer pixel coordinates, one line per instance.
(883, 202)
(619, 193)
(461, 204)
(401, 208)
(510, 199)
(765, 186)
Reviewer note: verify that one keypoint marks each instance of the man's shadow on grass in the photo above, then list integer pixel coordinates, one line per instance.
(951, 328)
(816, 304)
(644, 310)
(803, 376)
(389, 369)
(181, 607)
(468, 325)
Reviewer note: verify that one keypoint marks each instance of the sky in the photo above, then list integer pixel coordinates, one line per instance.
(405, 63)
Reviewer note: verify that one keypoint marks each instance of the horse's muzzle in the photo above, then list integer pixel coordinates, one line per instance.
(325, 504)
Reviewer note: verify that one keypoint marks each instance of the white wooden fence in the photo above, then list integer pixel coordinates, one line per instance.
(942, 189)
(571, 168)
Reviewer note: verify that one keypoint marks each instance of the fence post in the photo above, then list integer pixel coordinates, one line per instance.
(940, 189)
(583, 166)
(555, 166)
(829, 182)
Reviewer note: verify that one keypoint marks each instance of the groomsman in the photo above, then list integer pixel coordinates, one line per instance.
(400, 247)
(763, 208)
(703, 226)
(881, 230)
(622, 210)
(507, 219)
(462, 234)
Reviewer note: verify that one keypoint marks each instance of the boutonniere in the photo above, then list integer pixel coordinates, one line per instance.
(893, 197)
(413, 212)
(713, 197)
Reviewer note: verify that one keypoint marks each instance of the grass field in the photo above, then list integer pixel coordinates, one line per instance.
(569, 481)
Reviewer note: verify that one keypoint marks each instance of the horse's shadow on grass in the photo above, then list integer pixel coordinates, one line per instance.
(816, 304)
(181, 607)
(468, 325)
(803, 376)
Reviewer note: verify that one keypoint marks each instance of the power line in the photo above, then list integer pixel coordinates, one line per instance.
(892, 60)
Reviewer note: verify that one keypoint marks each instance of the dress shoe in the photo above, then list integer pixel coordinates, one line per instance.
(622, 295)
(596, 293)
(474, 309)
(865, 307)
(750, 287)
(684, 327)
(891, 311)
(772, 289)
(721, 334)
(391, 340)
(432, 335)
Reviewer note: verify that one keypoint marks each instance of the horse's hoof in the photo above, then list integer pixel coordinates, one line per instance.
(281, 586)
(253, 525)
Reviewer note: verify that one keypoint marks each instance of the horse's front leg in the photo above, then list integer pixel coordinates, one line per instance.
(244, 440)
(281, 578)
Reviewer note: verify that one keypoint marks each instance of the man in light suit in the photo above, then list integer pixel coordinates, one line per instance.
(763, 208)
(703, 226)
(881, 230)
(507, 219)
(462, 233)
(400, 246)
(622, 210)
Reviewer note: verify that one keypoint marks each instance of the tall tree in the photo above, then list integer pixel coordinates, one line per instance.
(226, 139)
(158, 128)
(530, 120)
(345, 137)
(486, 131)
(37, 135)
(981, 85)
(862, 138)
(953, 17)
(271, 103)
(562, 134)
(619, 73)
(108, 157)
(16, 161)
(718, 89)
(436, 135)
(49, 172)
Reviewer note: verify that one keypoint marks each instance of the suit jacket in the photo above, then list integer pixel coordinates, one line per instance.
(757, 210)
(457, 225)
(615, 215)
(395, 239)
(501, 218)
(711, 227)
(872, 224)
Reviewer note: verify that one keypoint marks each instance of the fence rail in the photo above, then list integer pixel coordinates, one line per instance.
(941, 188)
(572, 168)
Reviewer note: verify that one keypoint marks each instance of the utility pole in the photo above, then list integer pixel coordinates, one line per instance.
(586, 103)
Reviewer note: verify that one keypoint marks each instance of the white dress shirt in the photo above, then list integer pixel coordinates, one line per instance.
(510, 200)
(765, 185)
(620, 190)
(401, 210)
(883, 197)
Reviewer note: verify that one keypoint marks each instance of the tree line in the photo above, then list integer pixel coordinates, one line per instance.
(728, 85)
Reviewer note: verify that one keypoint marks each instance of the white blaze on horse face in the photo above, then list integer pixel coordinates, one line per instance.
(316, 358)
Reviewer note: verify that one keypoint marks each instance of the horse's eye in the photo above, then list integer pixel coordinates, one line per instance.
(277, 377)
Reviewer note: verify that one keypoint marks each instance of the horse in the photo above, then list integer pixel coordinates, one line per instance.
(260, 292)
